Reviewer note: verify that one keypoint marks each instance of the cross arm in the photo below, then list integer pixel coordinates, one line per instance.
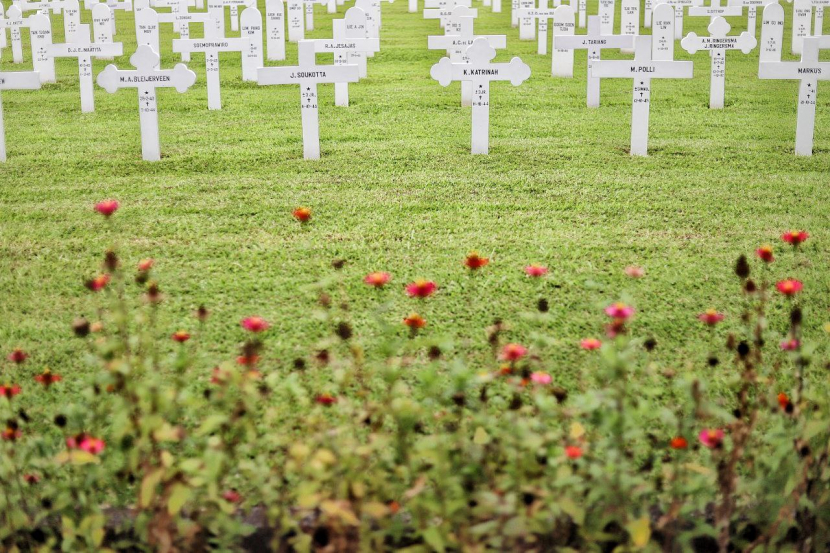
(323, 46)
(793, 70)
(20, 80)
(637, 69)
(180, 77)
(578, 42)
(210, 44)
(102, 49)
(317, 74)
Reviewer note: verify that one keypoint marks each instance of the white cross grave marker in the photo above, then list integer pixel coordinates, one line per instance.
(147, 29)
(85, 50)
(715, 9)
(182, 18)
(353, 25)
(250, 28)
(15, 22)
(442, 10)
(809, 71)
(3, 37)
(678, 6)
(802, 25)
(71, 20)
(642, 70)
(211, 47)
(772, 33)
(562, 60)
(594, 42)
(275, 29)
(751, 11)
(481, 72)
(14, 80)
(527, 30)
(629, 21)
(717, 43)
(606, 13)
(102, 24)
(542, 14)
(372, 9)
(146, 78)
(297, 18)
(307, 74)
(342, 50)
(40, 37)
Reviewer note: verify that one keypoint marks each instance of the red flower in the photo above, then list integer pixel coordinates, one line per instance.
(475, 261)
(790, 345)
(711, 317)
(47, 378)
(181, 336)
(145, 265)
(255, 324)
(765, 254)
(790, 286)
(573, 452)
(678, 442)
(9, 391)
(415, 321)
(218, 376)
(11, 434)
(615, 327)
(31, 479)
(302, 214)
(536, 271)
(107, 207)
(248, 360)
(512, 352)
(795, 237)
(541, 378)
(325, 399)
(91, 445)
(783, 400)
(377, 279)
(620, 311)
(590, 344)
(635, 272)
(232, 496)
(711, 438)
(98, 283)
(18, 356)
(421, 289)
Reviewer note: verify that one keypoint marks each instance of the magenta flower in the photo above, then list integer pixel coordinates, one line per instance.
(711, 438)
(620, 311)
(541, 378)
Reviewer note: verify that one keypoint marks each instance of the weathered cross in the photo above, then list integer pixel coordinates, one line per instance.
(718, 43)
(85, 50)
(595, 41)
(809, 71)
(307, 74)
(14, 80)
(146, 78)
(642, 70)
(481, 72)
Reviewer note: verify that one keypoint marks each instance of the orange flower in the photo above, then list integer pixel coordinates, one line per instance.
(325, 399)
(711, 317)
(783, 400)
(145, 265)
(790, 286)
(512, 352)
(536, 271)
(573, 452)
(181, 336)
(302, 214)
(98, 283)
(415, 321)
(377, 279)
(475, 261)
(764, 253)
(678, 442)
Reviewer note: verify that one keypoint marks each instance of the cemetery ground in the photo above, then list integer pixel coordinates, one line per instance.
(397, 190)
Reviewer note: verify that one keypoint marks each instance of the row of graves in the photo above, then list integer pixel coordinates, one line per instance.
(469, 57)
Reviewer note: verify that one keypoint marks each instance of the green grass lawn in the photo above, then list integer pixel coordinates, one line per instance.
(398, 190)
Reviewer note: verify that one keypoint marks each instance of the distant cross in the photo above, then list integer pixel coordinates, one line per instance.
(718, 43)
(210, 46)
(715, 9)
(809, 71)
(802, 25)
(353, 25)
(85, 50)
(594, 42)
(751, 11)
(772, 33)
(543, 13)
(629, 21)
(15, 21)
(147, 29)
(642, 70)
(71, 20)
(458, 43)
(527, 30)
(182, 18)
(562, 59)
(481, 72)
(275, 30)
(102, 24)
(606, 13)
(678, 6)
(297, 25)
(250, 28)
(442, 10)
(146, 78)
(14, 80)
(307, 74)
(40, 37)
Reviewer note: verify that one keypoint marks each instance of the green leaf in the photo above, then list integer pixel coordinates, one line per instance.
(148, 487)
(640, 531)
(432, 536)
(178, 497)
(573, 510)
(481, 437)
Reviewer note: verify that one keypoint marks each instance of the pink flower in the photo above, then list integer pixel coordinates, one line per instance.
(9, 391)
(98, 283)
(232, 496)
(573, 452)
(711, 317)
(255, 324)
(536, 271)
(590, 344)
(635, 272)
(512, 352)
(421, 289)
(711, 438)
(145, 265)
(790, 345)
(92, 445)
(107, 207)
(765, 254)
(415, 321)
(541, 378)
(377, 279)
(795, 237)
(18, 356)
(47, 378)
(620, 311)
(790, 286)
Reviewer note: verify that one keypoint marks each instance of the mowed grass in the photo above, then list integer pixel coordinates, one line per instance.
(397, 190)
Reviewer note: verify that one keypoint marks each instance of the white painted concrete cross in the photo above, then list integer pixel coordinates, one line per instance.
(147, 29)
(751, 11)
(606, 12)
(527, 30)
(14, 80)
(772, 33)
(353, 25)
(146, 78)
(275, 30)
(541, 14)
(481, 72)
(296, 10)
(715, 9)
(71, 20)
(562, 60)
(679, 6)
(250, 28)
(40, 37)
(442, 10)
(102, 25)
(642, 70)
(182, 18)
(307, 74)
(594, 42)
(211, 47)
(809, 71)
(718, 43)
(15, 21)
(342, 50)
(84, 51)
(629, 21)
(372, 10)
(3, 36)
(802, 21)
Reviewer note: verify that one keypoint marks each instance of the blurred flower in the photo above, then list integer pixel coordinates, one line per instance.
(232, 496)
(9, 391)
(512, 352)
(325, 399)
(18, 356)
(98, 283)
(615, 328)
(711, 438)
(634, 271)
(10, 434)
(711, 317)
(377, 279)
(302, 214)
(97, 326)
(415, 321)
(783, 400)
(590, 344)
(475, 261)
(573, 452)
(91, 445)
(248, 360)
(107, 207)
(541, 378)
(31, 479)
(145, 265)
(421, 289)
(255, 324)
(789, 287)
(536, 271)
(765, 254)
(678, 442)
(795, 237)
(47, 378)
(218, 376)
(620, 311)
(790, 344)
(181, 336)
